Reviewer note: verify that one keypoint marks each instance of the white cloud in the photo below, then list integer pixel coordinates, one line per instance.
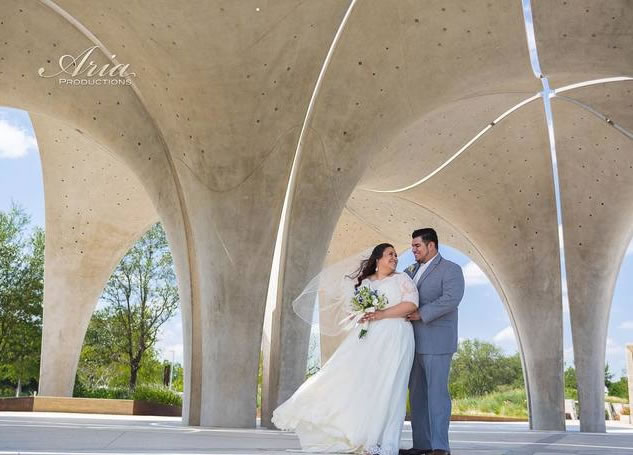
(14, 142)
(170, 339)
(505, 335)
(629, 250)
(174, 351)
(474, 276)
(627, 325)
(614, 348)
(505, 339)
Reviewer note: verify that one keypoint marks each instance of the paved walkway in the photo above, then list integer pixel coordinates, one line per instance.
(56, 433)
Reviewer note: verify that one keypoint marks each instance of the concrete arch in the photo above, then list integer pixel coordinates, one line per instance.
(212, 121)
(383, 97)
(116, 119)
(361, 226)
(513, 226)
(201, 83)
(596, 170)
(95, 209)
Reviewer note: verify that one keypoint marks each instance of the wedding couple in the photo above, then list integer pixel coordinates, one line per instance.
(356, 403)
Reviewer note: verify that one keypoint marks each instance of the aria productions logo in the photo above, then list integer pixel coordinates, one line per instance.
(81, 71)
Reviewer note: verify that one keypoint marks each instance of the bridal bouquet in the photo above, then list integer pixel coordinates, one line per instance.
(366, 300)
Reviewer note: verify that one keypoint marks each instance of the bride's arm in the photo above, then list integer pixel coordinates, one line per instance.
(397, 311)
(408, 305)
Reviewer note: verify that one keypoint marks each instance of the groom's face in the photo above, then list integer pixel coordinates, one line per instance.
(420, 250)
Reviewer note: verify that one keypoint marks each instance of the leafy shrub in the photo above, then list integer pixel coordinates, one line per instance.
(157, 394)
(7, 392)
(504, 402)
(478, 368)
(113, 393)
(620, 388)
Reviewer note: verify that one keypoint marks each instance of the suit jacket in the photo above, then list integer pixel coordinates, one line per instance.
(440, 289)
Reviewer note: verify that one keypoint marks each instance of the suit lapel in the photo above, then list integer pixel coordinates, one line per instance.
(415, 270)
(430, 268)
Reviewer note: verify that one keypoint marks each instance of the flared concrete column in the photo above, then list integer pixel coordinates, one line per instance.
(595, 169)
(95, 210)
(419, 59)
(208, 125)
(230, 101)
(500, 194)
(580, 41)
(116, 117)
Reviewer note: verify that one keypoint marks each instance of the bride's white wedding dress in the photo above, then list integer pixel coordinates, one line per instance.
(357, 401)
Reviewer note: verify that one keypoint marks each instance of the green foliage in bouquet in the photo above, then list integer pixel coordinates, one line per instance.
(367, 300)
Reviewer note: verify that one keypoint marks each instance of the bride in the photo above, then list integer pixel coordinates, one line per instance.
(357, 401)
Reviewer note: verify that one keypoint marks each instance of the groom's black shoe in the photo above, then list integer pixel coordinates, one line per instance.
(415, 451)
(440, 452)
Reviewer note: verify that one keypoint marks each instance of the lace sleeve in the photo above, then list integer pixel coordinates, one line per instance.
(408, 290)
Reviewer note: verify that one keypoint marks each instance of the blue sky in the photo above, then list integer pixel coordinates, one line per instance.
(482, 314)
(20, 168)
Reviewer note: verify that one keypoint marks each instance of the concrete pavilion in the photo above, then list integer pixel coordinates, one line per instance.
(351, 118)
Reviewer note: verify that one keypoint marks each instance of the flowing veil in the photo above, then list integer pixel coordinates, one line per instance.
(325, 301)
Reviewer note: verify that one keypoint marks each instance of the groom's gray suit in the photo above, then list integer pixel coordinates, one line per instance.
(441, 288)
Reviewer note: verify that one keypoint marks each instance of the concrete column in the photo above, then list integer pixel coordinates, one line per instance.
(208, 125)
(370, 97)
(594, 164)
(581, 41)
(95, 210)
(513, 228)
(116, 117)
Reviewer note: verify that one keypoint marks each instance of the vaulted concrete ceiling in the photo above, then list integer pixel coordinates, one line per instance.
(362, 96)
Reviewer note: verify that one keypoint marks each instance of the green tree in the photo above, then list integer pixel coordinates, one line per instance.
(21, 293)
(139, 298)
(99, 364)
(179, 378)
(608, 376)
(479, 368)
(620, 388)
(570, 378)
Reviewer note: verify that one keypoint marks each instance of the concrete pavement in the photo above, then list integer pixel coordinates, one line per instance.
(58, 433)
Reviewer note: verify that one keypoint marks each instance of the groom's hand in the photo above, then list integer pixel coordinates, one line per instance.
(415, 316)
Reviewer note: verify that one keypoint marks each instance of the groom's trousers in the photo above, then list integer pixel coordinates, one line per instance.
(430, 401)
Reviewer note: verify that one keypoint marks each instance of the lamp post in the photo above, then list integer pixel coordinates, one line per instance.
(171, 369)
(629, 370)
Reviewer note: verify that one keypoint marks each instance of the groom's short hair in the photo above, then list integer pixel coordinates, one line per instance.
(427, 235)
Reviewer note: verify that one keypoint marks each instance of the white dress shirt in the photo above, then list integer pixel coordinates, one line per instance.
(422, 268)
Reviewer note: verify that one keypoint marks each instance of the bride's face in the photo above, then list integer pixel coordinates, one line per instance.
(388, 261)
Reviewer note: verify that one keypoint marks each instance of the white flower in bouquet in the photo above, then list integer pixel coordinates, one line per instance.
(366, 300)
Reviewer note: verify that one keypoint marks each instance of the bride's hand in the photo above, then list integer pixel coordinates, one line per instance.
(374, 316)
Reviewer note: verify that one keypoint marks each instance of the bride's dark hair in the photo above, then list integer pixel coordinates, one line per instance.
(368, 266)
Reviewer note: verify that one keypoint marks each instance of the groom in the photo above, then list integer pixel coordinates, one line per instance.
(440, 284)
